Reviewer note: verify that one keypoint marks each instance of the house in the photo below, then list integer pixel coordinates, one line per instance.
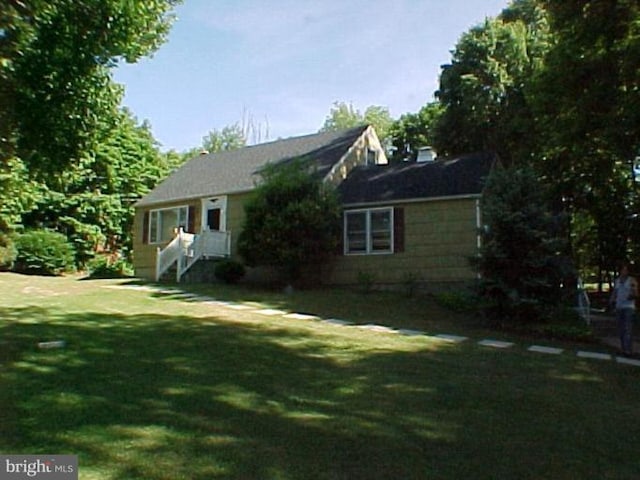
(417, 219)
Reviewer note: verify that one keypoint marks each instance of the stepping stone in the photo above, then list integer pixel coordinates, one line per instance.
(594, 355)
(206, 299)
(185, 296)
(628, 361)
(168, 291)
(451, 338)
(218, 303)
(301, 316)
(335, 321)
(377, 328)
(271, 312)
(495, 343)
(411, 333)
(239, 306)
(549, 350)
(52, 344)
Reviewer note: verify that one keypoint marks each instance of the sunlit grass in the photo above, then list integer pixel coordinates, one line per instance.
(152, 387)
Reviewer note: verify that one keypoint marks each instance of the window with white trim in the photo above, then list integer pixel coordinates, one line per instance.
(368, 231)
(372, 157)
(163, 223)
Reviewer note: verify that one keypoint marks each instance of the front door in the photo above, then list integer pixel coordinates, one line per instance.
(214, 214)
(213, 218)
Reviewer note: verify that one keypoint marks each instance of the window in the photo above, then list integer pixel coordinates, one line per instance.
(368, 231)
(163, 222)
(372, 157)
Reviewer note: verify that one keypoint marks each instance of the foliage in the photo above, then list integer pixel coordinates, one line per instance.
(343, 115)
(414, 130)
(230, 137)
(8, 252)
(229, 271)
(95, 206)
(291, 221)
(43, 252)
(520, 259)
(105, 266)
(565, 323)
(586, 99)
(17, 193)
(483, 89)
(67, 153)
(458, 301)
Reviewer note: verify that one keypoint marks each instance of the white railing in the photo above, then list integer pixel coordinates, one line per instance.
(186, 249)
(167, 256)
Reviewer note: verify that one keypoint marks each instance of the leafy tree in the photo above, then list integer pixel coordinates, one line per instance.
(521, 259)
(588, 110)
(414, 130)
(231, 137)
(292, 221)
(59, 110)
(57, 60)
(344, 116)
(341, 116)
(483, 89)
(95, 207)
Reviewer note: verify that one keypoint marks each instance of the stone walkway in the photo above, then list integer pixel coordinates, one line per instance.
(382, 329)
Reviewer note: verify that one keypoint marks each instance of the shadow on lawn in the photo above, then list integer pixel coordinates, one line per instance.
(157, 397)
(154, 396)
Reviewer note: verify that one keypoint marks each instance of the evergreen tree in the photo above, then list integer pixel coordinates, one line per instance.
(521, 260)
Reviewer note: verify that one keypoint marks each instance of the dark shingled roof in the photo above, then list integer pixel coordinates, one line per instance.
(463, 175)
(237, 170)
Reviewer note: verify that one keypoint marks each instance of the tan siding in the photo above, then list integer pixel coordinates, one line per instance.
(440, 236)
(144, 255)
(235, 218)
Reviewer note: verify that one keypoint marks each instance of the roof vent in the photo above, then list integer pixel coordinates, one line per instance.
(426, 154)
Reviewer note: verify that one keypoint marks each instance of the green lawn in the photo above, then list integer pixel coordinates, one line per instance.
(153, 387)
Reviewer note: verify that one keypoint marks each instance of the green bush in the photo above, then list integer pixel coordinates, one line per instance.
(106, 267)
(43, 252)
(458, 301)
(8, 252)
(229, 271)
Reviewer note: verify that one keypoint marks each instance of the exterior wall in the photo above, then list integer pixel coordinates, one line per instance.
(144, 258)
(439, 238)
(144, 253)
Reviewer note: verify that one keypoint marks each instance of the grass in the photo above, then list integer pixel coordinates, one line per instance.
(154, 387)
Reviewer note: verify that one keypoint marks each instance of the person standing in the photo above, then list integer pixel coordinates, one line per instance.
(625, 292)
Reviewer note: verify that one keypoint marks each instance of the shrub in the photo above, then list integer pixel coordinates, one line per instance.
(8, 252)
(108, 267)
(43, 252)
(458, 301)
(229, 271)
(292, 221)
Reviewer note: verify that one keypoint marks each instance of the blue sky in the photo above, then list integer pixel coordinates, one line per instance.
(281, 64)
